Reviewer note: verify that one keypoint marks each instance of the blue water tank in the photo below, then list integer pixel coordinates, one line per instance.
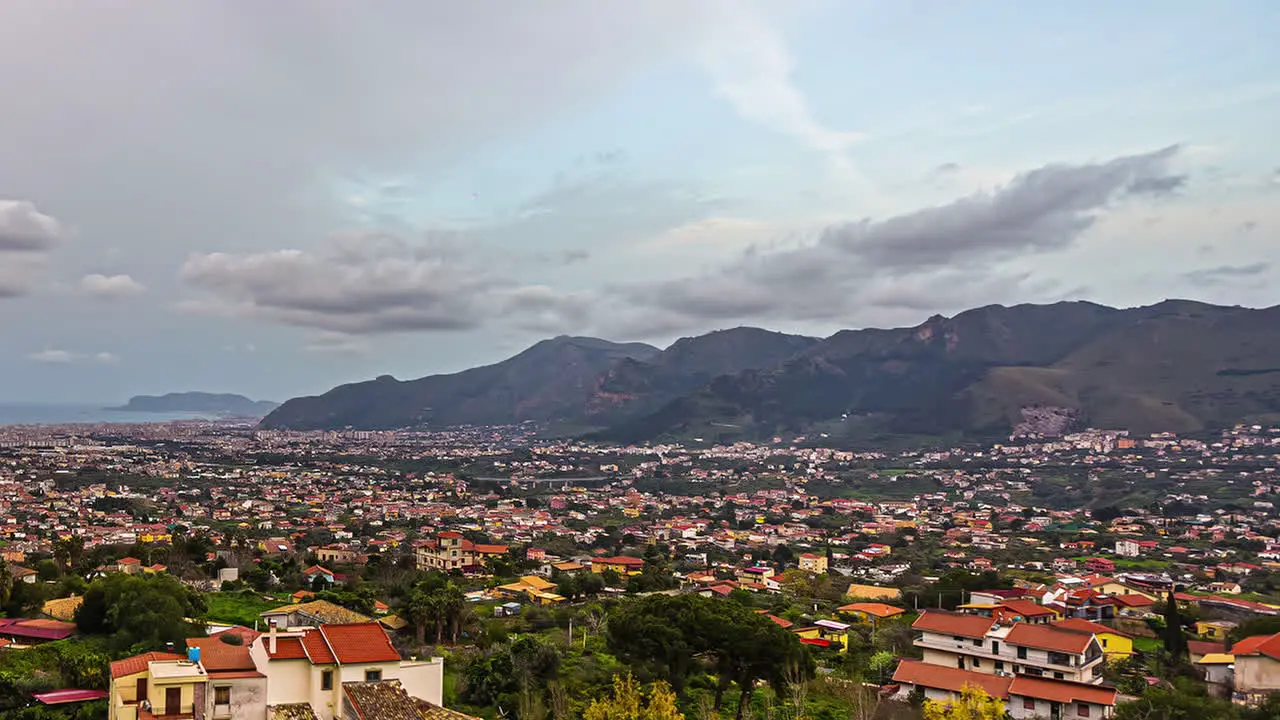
(193, 654)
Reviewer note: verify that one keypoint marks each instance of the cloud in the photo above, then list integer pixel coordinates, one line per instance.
(66, 357)
(23, 228)
(957, 249)
(751, 67)
(336, 344)
(26, 237)
(52, 357)
(370, 284)
(1226, 273)
(111, 286)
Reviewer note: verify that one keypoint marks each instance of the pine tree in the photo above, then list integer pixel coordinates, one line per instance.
(1175, 642)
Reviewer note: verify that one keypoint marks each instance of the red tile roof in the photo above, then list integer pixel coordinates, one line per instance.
(138, 663)
(1061, 691)
(877, 609)
(1047, 637)
(942, 677)
(217, 656)
(287, 648)
(1268, 645)
(1026, 608)
(972, 626)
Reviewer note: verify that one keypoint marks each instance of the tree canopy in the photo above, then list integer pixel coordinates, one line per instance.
(141, 612)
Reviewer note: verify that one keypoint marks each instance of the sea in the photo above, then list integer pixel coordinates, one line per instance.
(50, 414)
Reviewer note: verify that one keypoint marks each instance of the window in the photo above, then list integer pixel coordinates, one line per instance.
(1104, 643)
(1082, 710)
(995, 647)
(326, 680)
(222, 695)
(999, 666)
(1028, 704)
(977, 642)
(373, 676)
(960, 662)
(1058, 676)
(977, 663)
(1022, 653)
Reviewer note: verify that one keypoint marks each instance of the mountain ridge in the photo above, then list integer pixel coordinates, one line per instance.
(975, 373)
(198, 402)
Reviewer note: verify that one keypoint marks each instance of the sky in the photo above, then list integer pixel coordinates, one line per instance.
(275, 198)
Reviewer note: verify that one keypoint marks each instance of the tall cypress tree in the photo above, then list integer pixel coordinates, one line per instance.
(1175, 642)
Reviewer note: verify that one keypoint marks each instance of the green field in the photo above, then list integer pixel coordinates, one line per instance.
(238, 608)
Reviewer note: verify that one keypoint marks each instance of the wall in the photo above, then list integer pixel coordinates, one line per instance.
(423, 679)
(288, 681)
(248, 699)
(1257, 673)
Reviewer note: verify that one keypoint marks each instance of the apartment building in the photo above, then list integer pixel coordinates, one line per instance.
(984, 645)
(450, 551)
(301, 673)
(1025, 697)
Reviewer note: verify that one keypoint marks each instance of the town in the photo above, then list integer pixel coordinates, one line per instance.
(487, 572)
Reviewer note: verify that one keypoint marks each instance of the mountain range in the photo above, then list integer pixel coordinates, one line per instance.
(1175, 366)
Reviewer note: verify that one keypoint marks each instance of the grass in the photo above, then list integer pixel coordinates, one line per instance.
(238, 608)
(1146, 644)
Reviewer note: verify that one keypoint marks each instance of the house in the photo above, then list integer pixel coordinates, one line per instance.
(825, 633)
(1100, 565)
(311, 614)
(450, 551)
(1214, 629)
(236, 688)
(813, 563)
(388, 700)
(1128, 548)
(311, 666)
(533, 588)
(1025, 698)
(21, 574)
(63, 609)
(870, 612)
(971, 642)
(1022, 610)
(1257, 667)
(622, 565)
(339, 554)
(319, 578)
(1115, 644)
(872, 592)
(1218, 671)
(156, 684)
(1198, 649)
(24, 633)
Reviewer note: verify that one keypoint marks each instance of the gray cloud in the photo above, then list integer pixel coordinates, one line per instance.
(368, 284)
(1226, 273)
(959, 245)
(26, 237)
(1158, 185)
(947, 167)
(111, 287)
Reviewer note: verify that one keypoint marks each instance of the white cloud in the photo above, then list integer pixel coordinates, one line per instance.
(26, 236)
(66, 357)
(52, 357)
(111, 286)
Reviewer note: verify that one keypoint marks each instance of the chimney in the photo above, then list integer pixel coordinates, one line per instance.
(271, 639)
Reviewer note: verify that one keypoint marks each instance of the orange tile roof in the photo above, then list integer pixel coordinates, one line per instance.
(972, 626)
(216, 655)
(1268, 645)
(1086, 626)
(287, 648)
(138, 663)
(1061, 691)
(349, 644)
(942, 677)
(1047, 637)
(1026, 608)
(878, 609)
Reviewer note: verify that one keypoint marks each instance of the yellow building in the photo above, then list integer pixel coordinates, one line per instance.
(828, 633)
(1115, 644)
(813, 563)
(1214, 629)
(157, 684)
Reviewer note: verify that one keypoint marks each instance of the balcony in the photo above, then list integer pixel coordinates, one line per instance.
(1054, 662)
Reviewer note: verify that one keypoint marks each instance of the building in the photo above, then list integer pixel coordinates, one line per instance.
(311, 614)
(1025, 698)
(22, 633)
(1257, 667)
(813, 563)
(312, 665)
(623, 565)
(388, 699)
(236, 689)
(824, 633)
(450, 551)
(157, 685)
(971, 642)
(1115, 644)
(1128, 548)
(869, 611)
